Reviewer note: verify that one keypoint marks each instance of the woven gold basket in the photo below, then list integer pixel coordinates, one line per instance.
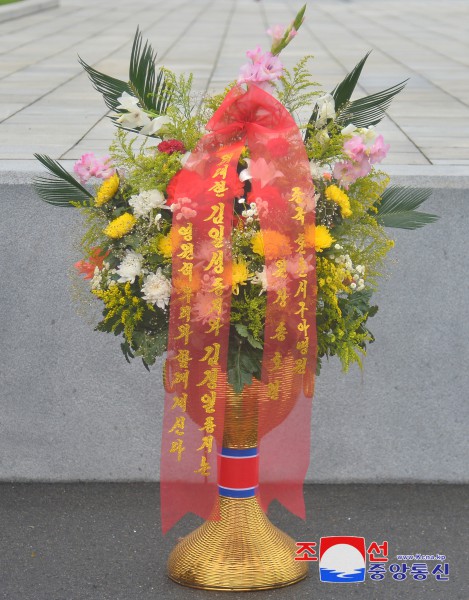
(241, 550)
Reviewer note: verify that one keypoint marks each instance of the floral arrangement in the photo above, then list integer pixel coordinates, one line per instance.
(134, 217)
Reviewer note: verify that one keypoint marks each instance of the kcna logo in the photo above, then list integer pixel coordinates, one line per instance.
(342, 559)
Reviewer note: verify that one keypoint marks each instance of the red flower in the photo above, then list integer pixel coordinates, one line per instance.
(87, 267)
(171, 146)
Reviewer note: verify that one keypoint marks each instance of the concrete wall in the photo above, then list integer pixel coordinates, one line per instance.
(73, 409)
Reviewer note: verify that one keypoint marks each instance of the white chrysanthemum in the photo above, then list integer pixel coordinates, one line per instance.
(260, 278)
(130, 267)
(144, 202)
(157, 289)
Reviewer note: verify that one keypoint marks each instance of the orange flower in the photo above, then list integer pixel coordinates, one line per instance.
(271, 244)
(87, 267)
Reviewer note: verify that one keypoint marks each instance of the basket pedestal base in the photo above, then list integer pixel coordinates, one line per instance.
(240, 551)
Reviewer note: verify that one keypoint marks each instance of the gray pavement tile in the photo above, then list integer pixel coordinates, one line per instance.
(98, 541)
(425, 41)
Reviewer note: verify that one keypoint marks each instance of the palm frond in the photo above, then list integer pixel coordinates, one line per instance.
(341, 94)
(151, 89)
(397, 208)
(344, 90)
(60, 188)
(110, 87)
(369, 110)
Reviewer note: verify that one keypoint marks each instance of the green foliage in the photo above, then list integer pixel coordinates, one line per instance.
(187, 111)
(369, 110)
(59, 188)
(93, 224)
(149, 346)
(343, 332)
(397, 205)
(324, 146)
(277, 47)
(344, 90)
(152, 91)
(244, 362)
(145, 169)
(248, 309)
(295, 92)
(210, 104)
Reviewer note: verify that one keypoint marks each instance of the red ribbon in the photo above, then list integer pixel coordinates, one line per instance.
(202, 195)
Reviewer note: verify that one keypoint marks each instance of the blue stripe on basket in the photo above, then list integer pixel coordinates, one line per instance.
(240, 493)
(239, 452)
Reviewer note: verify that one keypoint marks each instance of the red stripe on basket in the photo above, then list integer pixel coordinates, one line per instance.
(238, 473)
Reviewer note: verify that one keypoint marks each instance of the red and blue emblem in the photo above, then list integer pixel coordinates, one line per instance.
(238, 472)
(342, 559)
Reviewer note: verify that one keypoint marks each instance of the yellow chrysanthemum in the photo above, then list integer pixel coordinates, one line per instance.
(271, 244)
(120, 226)
(239, 275)
(107, 191)
(165, 246)
(169, 243)
(318, 236)
(335, 194)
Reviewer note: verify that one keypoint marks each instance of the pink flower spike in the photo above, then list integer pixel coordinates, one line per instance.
(90, 166)
(379, 150)
(276, 32)
(354, 148)
(348, 172)
(255, 55)
(264, 69)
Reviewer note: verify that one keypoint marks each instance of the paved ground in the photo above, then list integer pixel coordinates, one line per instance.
(103, 542)
(47, 104)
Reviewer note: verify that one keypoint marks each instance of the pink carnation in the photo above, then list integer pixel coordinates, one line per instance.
(90, 166)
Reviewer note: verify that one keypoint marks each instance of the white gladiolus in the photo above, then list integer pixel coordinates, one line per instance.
(326, 109)
(135, 116)
(155, 125)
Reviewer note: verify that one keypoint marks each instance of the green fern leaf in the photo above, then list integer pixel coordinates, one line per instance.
(61, 188)
(397, 208)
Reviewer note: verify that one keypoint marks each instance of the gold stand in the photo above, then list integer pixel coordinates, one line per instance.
(242, 550)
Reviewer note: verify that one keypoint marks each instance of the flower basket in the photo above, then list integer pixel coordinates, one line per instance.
(246, 245)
